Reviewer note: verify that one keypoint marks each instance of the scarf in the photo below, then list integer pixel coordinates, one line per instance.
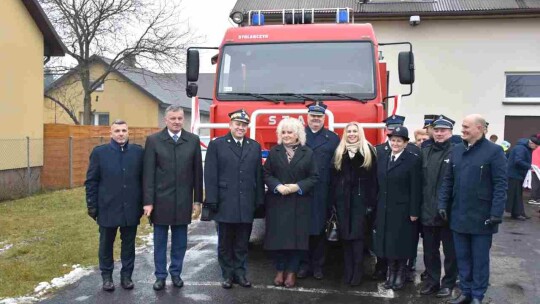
(290, 150)
(352, 149)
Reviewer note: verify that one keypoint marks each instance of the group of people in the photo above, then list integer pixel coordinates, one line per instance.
(384, 197)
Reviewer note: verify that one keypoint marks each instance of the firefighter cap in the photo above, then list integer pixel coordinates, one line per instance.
(240, 115)
(400, 131)
(429, 119)
(394, 121)
(316, 108)
(443, 122)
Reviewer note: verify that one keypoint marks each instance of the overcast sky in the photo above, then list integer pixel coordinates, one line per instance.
(210, 20)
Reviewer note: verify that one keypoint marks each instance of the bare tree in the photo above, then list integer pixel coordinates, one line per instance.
(121, 30)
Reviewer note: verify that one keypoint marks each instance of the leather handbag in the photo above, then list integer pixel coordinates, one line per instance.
(332, 232)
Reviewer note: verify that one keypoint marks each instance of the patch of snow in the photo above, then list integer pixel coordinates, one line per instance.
(198, 297)
(19, 300)
(5, 248)
(148, 242)
(40, 290)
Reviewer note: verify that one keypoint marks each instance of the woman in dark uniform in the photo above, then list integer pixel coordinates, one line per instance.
(354, 182)
(290, 173)
(398, 208)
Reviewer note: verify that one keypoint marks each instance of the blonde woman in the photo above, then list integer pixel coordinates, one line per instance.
(290, 173)
(354, 178)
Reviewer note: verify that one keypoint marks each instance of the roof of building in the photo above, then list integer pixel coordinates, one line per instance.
(398, 8)
(53, 45)
(166, 88)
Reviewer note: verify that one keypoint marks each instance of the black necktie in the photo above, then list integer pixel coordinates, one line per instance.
(391, 162)
(239, 144)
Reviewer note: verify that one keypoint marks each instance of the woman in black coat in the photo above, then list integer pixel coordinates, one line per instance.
(400, 193)
(290, 173)
(354, 183)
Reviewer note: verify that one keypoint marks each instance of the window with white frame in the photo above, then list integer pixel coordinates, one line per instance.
(98, 119)
(101, 86)
(522, 87)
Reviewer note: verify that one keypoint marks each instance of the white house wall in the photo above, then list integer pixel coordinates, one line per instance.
(461, 65)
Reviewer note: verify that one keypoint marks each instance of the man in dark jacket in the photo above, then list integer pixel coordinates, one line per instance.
(114, 200)
(435, 159)
(173, 186)
(323, 142)
(519, 163)
(234, 189)
(472, 197)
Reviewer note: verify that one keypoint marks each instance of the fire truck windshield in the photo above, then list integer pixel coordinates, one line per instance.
(343, 70)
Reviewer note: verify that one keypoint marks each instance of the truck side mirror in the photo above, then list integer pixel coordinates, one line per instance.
(192, 67)
(192, 89)
(406, 67)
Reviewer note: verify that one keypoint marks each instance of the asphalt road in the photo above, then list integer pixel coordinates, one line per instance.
(515, 275)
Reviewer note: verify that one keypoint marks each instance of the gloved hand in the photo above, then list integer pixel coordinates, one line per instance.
(493, 220)
(443, 215)
(284, 190)
(212, 206)
(92, 212)
(293, 187)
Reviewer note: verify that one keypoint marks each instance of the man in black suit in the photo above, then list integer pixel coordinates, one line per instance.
(114, 200)
(234, 189)
(173, 186)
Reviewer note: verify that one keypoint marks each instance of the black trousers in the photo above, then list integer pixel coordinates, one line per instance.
(535, 185)
(233, 240)
(107, 236)
(353, 254)
(514, 204)
(433, 236)
(315, 257)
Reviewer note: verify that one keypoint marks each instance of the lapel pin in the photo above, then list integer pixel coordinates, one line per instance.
(228, 140)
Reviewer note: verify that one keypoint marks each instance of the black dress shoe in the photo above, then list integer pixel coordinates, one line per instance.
(159, 284)
(242, 281)
(303, 273)
(462, 299)
(318, 274)
(444, 292)
(423, 276)
(177, 281)
(476, 301)
(108, 285)
(227, 284)
(429, 289)
(127, 283)
(521, 217)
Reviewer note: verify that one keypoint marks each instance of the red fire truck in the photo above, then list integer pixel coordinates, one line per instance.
(273, 71)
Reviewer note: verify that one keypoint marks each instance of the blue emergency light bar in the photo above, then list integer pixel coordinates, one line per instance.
(297, 16)
(257, 19)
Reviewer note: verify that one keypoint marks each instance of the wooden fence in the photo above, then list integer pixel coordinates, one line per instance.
(67, 150)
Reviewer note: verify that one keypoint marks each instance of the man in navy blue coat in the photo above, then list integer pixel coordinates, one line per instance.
(234, 189)
(323, 142)
(472, 197)
(519, 163)
(114, 200)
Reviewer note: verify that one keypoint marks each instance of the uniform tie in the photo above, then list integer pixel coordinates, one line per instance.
(175, 138)
(239, 144)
